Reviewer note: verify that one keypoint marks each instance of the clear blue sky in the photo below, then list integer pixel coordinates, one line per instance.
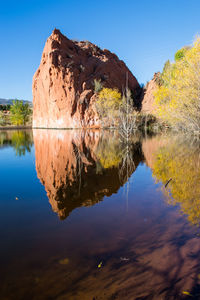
(143, 33)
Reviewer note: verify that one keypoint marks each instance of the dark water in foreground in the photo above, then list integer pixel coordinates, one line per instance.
(86, 215)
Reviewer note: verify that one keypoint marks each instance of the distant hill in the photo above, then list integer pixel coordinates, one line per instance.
(9, 101)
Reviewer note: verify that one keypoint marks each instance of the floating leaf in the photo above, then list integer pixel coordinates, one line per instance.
(186, 293)
(99, 265)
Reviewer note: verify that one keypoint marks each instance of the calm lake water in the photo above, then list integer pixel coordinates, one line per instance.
(87, 215)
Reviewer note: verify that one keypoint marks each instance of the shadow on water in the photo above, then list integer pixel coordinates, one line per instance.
(148, 251)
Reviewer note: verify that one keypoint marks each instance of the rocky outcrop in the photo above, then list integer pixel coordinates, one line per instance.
(63, 85)
(148, 105)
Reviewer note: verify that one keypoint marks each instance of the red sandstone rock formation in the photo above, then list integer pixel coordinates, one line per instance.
(63, 85)
(148, 105)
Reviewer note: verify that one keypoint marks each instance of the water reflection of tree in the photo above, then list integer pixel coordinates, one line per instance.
(115, 151)
(177, 166)
(109, 151)
(21, 141)
(4, 139)
(123, 151)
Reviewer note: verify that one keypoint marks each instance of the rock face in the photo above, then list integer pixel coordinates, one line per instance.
(148, 105)
(63, 85)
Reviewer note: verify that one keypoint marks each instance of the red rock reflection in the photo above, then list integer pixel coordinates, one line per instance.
(68, 167)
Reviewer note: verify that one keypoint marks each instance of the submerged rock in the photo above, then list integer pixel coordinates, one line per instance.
(63, 85)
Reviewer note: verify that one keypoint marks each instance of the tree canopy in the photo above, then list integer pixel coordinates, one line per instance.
(178, 97)
(19, 112)
(108, 104)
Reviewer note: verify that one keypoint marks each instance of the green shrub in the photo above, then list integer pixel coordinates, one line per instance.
(98, 85)
(180, 53)
(19, 113)
(2, 118)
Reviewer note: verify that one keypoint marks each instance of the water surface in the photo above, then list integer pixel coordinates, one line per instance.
(87, 215)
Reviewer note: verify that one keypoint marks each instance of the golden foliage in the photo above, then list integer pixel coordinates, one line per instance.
(108, 104)
(111, 96)
(178, 98)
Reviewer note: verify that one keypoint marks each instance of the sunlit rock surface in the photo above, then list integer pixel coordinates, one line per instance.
(63, 85)
(148, 101)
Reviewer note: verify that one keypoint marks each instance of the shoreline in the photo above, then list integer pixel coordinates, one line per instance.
(15, 127)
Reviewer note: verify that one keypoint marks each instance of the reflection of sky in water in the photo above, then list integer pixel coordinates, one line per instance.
(146, 247)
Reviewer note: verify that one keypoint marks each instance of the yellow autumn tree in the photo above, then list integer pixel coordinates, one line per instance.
(108, 104)
(178, 97)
